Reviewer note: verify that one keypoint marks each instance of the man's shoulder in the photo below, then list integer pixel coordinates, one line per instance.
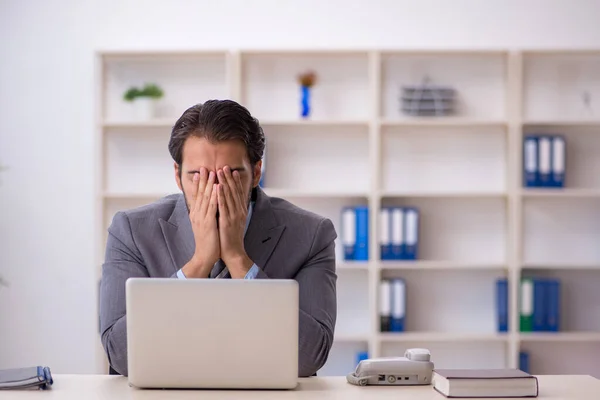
(160, 209)
(294, 216)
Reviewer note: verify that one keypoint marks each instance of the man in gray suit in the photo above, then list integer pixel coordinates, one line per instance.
(222, 226)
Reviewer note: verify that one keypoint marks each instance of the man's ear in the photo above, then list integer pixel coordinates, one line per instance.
(178, 176)
(256, 173)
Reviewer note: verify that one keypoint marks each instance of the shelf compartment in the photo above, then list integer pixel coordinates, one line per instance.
(479, 80)
(561, 231)
(568, 358)
(353, 318)
(444, 160)
(558, 84)
(463, 302)
(313, 159)
(461, 231)
(579, 302)
(582, 164)
(151, 171)
(271, 90)
(186, 79)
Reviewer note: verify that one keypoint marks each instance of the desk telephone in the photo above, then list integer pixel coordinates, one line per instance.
(415, 368)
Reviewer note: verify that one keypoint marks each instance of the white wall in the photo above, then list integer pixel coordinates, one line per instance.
(48, 315)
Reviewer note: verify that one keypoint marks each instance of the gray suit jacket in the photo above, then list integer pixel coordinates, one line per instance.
(284, 241)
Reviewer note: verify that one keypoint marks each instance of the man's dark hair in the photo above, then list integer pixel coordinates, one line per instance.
(218, 121)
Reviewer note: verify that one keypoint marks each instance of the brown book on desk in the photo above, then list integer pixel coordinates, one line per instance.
(484, 383)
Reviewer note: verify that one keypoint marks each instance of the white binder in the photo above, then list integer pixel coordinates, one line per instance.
(545, 164)
(348, 233)
(558, 161)
(398, 241)
(385, 305)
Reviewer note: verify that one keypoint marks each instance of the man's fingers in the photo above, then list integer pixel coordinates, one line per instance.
(200, 186)
(195, 180)
(233, 189)
(240, 188)
(206, 195)
(214, 202)
(228, 199)
(221, 197)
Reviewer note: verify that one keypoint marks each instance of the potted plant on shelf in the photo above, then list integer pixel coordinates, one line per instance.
(144, 100)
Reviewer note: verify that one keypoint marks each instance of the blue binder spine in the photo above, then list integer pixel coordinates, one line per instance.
(553, 305)
(524, 361)
(545, 160)
(502, 304)
(348, 233)
(385, 239)
(530, 161)
(539, 305)
(558, 161)
(397, 227)
(398, 309)
(361, 252)
(411, 223)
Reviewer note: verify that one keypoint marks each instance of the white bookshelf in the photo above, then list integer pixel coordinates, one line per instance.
(463, 172)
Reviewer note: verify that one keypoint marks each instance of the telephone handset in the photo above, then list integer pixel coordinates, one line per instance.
(415, 368)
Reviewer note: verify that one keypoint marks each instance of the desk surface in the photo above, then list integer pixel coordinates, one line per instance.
(101, 387)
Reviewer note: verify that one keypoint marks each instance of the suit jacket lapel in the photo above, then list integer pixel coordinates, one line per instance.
(179, 235)
(263, 232)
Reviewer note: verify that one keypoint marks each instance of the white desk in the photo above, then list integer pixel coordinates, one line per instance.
(106, 387)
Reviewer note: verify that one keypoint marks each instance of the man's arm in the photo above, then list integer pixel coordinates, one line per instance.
(318, 305)
(122, 261)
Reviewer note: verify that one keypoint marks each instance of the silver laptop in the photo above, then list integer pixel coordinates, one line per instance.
(212, 333)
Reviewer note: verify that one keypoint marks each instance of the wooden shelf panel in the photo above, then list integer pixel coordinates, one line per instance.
(561, 266)
(313, 194)
(444, 195)
(560, 337)
(438, 265)
(155, 123)
(442, 337)
(591, 123)
(442, 122)
(561, 193)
